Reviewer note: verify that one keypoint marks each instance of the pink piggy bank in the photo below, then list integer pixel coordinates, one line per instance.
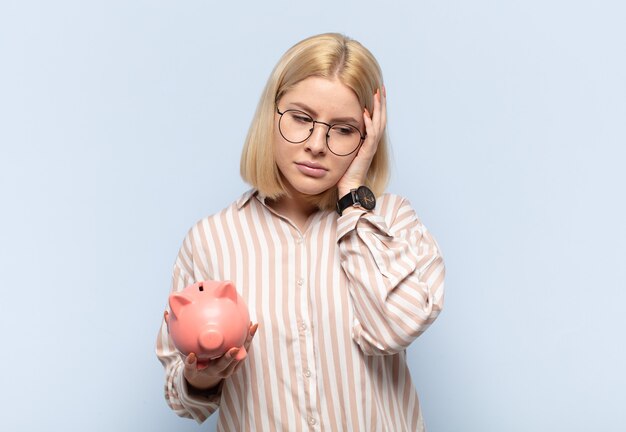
(208, 318)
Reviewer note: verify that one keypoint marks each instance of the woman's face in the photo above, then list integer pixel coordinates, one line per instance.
(309, 167)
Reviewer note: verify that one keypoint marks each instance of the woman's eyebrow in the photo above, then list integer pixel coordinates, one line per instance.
(333, 120)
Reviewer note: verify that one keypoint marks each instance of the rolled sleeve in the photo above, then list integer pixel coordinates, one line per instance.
(396, 274)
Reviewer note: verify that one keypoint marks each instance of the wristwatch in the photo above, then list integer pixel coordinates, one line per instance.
(360, 197)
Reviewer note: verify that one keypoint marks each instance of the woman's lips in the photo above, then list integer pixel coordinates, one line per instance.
(312, 171)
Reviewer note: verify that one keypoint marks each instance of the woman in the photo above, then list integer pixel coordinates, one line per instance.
(339, 277)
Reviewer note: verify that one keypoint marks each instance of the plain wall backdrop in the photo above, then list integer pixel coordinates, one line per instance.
(121, 125)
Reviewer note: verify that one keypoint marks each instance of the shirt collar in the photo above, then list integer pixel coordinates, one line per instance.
(245, 198)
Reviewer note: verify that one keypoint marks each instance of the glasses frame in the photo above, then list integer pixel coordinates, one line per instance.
(329, 126)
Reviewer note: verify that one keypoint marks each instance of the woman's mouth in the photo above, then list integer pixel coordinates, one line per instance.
(311, 169)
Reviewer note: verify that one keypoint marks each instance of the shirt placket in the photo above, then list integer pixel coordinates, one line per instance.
(305, 335)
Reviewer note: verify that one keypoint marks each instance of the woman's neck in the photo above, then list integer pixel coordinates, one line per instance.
(296, 207)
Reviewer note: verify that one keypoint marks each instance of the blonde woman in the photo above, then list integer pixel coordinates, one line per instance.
(339, 276)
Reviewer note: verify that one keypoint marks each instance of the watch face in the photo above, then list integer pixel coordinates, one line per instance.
(366, 198)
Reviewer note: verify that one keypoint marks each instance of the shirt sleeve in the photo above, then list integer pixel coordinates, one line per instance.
(196, 405)
(396, 275)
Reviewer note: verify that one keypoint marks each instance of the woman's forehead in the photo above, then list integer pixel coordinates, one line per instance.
(323, 96)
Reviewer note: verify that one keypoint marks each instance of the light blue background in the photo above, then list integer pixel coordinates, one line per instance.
(121, 124)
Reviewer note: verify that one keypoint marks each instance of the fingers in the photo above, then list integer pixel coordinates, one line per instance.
(190, 367)
(379, 117)
(237, 360)
(251, 332)
(223, 366)
(240, 355)
(376, 121)
(383, 109)
(376, 113)
(367, 118)
(246, 345)
(190, 360)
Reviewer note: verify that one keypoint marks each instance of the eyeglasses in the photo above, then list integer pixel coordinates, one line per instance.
(297, 126)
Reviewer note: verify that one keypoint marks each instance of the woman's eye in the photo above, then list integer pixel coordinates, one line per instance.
(344, 130)
(302, 119)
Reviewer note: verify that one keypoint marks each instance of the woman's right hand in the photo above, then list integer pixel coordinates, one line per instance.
(219, 368)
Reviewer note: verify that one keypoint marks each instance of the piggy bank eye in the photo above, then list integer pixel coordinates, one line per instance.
(201, 288)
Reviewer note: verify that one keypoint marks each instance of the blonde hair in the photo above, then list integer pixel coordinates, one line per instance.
(328, 55)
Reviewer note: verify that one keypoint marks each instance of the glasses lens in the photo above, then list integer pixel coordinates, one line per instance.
(343, 139)
(295, 126)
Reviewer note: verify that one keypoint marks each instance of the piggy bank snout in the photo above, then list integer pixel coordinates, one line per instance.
(208, 318)
(211, 340)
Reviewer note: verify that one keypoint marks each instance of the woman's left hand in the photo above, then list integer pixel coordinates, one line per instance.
(374, 128)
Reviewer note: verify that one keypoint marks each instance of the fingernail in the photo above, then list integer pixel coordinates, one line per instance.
(254, 329)
(233, 352)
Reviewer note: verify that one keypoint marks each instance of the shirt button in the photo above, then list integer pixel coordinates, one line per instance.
(307, 373)
(300, 282)
(299, 240)
(302, 327)
(312, 421)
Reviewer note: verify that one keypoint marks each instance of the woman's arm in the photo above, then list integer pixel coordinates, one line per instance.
(396, 275)
(182, 398)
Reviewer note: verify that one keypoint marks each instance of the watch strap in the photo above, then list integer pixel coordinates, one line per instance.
(354, 199)
(346, 201)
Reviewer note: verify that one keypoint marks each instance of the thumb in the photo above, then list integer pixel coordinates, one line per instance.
(190, 361)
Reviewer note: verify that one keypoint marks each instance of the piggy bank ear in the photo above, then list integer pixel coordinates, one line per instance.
(177, 301)
(226, 289)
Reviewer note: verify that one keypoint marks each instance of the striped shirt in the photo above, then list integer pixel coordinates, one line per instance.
(337, 305)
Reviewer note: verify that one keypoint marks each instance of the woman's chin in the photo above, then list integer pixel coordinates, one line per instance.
(310, 191)
(307, 187)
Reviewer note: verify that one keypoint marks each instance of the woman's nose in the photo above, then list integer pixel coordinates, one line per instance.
(317, 141)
